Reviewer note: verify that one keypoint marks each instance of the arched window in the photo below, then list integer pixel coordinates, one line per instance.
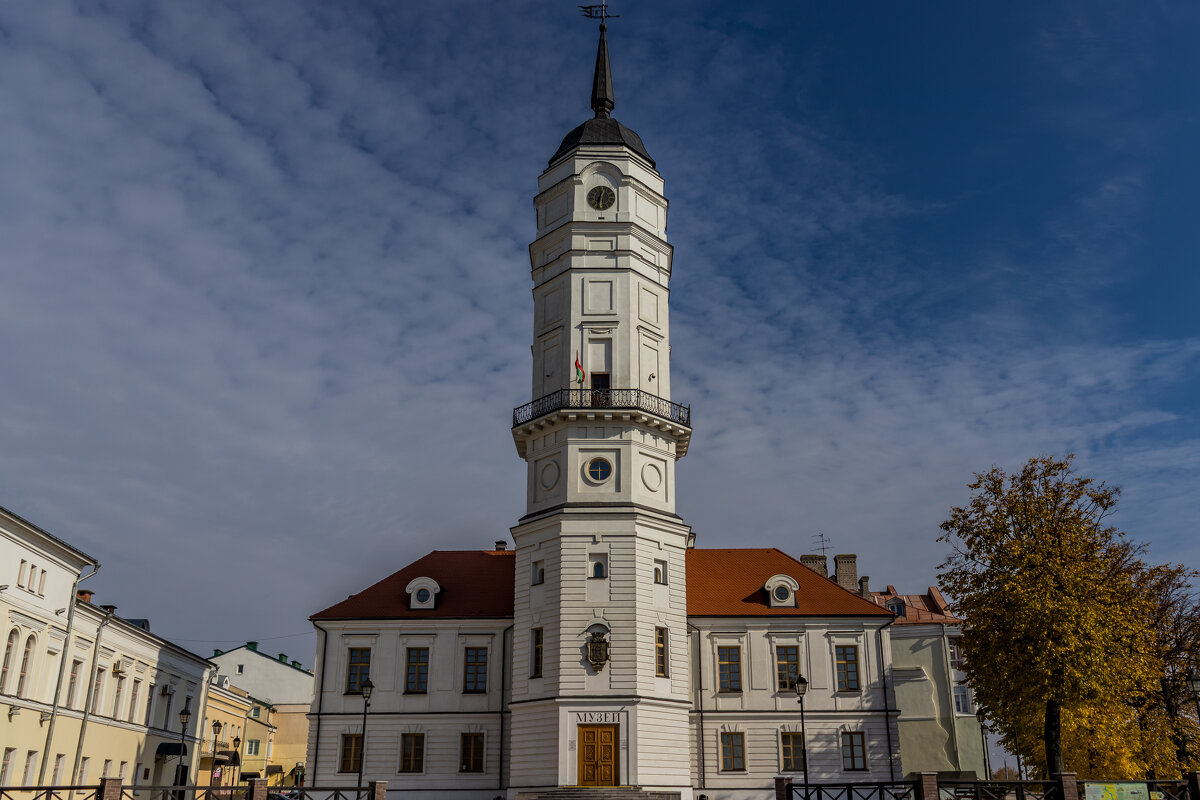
(598, 569)
(25, 659)
(8, 652)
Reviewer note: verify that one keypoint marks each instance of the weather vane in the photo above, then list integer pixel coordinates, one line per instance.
(599, 12)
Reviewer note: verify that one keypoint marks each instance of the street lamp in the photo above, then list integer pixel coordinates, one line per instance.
(987, 759)
(185, 716)
(366, 687)
(216, 726)
(237, 748)
(801, 686)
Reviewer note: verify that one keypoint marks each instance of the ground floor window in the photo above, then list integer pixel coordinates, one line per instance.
(854, 751)
(351, 752)
(733, 752)
(792, 745)
(471, 753)
(412, 752)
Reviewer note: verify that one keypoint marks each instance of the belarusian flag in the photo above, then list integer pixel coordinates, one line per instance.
(579, 373)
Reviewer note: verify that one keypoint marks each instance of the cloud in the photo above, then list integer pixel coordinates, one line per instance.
(266, 298)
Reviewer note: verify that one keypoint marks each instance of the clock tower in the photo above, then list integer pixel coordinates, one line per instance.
(600, 690)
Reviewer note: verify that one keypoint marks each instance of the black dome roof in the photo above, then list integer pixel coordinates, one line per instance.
(601, 130)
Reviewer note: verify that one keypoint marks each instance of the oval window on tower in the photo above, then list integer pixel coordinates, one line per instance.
(599, 470)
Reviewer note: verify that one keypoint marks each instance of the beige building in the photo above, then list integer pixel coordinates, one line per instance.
(939, 729)
(85, 693)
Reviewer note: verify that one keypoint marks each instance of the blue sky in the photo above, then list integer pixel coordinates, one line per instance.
(265, 298)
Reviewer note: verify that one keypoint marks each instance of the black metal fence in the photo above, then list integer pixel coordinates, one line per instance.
(997, 790)
(896, 790)
(603, 399)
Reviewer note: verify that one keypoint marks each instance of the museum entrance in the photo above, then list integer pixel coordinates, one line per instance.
(598, 755)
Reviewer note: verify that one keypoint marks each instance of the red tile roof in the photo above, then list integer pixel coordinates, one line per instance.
(720, 583)
(919, 609)
(474, 583)
(729, 583)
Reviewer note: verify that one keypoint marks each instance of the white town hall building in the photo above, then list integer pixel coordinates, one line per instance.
(604, 649)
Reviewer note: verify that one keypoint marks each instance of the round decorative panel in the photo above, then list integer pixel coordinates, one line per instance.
(549, 477)
(652, 477)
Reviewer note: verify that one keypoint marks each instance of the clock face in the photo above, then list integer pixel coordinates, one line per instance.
(601, 198)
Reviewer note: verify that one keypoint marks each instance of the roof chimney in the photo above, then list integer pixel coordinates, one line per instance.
(815, 562)
(109, 609)
(283, 657)
(863, 588)
(296, 664)
(501, 544)
(85, 595)
(845, 571)
(252, 646)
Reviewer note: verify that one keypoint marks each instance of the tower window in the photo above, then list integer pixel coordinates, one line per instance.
(599, 470)
(660, 652)
(537, 573)
(598, 565)
(535, 666)
(660, 572)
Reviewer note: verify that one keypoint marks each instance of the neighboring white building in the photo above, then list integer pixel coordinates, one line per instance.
(277, 680)
(84, 693)
(605, 649)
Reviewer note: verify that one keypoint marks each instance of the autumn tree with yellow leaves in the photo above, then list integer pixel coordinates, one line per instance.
(1064, 638)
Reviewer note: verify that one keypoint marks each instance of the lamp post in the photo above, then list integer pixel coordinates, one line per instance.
(237, 748)
(216, 726)
(185, 716)
(367, 687)
(987, 759)
(801, 686)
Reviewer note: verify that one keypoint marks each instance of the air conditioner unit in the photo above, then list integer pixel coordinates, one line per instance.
(168, 690)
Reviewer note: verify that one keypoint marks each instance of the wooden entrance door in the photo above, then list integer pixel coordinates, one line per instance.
(598, 755)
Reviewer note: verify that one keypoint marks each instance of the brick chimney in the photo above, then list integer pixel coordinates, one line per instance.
(815, 562)
(864, 588)
(845, 571)
(85, 595)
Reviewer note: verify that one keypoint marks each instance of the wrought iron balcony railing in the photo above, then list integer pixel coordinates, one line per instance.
(603, 399)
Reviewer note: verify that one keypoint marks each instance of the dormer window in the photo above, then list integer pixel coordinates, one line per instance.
(422, 593)
(897, 607)
(781, 591)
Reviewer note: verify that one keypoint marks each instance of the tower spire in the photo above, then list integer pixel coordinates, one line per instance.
(602, 88)
(602, 91)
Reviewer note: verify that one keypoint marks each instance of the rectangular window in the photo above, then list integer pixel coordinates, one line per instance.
(256, 712)
(660, 652)
(956, 656)
(535, 645)
(118, 694)
(359, 669)
(660, 572)
(962, 700)
(167, 712)
(252, 746)
(134, 696)
(538, 573)
(471, 753)
(21, 574)
(56, 776)
(733, 752)
(847, 667)
(787, 667)
(31, 767)
(351, 752)
(97, 690)
(84, 763)
(6, 764)
(475, 670)
(412, 752)
(854, 752)
(417, 679)
(42, 584)
(792, 748)
(121, 772)
(729, 667)
(73, 685)
(107, 768)
(149, 704)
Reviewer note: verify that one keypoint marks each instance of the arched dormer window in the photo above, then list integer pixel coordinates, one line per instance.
(781, 591)
(422, 593)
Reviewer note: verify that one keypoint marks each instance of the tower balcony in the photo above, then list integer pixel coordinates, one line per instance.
(603, 400)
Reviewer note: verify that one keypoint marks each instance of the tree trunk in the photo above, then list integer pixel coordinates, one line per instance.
(1054, 750)
(1177, 736)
